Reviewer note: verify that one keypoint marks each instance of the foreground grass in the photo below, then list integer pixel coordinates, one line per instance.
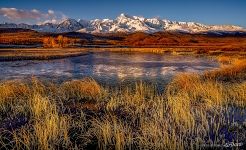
(194, 111)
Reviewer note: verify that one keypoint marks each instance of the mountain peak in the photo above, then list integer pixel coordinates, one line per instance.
(123, 15)
(68, 21)
(68, 25)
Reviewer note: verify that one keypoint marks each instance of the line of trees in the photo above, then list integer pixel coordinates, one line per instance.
(59, 41)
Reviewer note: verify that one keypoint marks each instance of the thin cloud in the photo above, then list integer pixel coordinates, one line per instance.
(34, 15)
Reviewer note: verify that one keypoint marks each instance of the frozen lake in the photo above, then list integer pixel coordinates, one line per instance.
(108, 67)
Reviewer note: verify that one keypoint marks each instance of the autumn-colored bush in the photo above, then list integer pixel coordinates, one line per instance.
(59, 41)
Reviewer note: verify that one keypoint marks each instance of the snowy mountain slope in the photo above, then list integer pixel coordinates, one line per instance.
(69, 25)
(125, 23)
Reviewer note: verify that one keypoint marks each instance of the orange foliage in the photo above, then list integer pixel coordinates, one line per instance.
(60, 42)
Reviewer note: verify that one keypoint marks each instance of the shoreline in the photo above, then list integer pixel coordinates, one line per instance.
(14, 54)
(18, 58)
(39, 54)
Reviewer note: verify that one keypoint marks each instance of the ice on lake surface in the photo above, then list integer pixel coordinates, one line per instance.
(107, 67)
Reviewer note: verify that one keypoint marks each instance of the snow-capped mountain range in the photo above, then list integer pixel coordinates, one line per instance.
(125, 23)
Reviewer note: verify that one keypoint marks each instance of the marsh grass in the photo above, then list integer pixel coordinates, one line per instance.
(236, 72)
(192, 111)
(40, 54)
(82, 89)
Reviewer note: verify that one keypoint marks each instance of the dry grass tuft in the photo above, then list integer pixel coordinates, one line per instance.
(112, 133)
(12, 90)
(224, 59)
(233, 73)
(82, 89)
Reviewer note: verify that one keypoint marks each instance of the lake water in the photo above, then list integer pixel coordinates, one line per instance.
(108, 67)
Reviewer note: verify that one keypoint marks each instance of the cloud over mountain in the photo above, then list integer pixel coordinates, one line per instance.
(34, 15)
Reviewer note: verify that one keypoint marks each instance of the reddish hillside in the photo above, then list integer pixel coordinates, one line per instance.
(171, 39)
(138, 39)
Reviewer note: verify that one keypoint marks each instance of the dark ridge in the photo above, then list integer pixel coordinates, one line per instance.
(78, 35)
(15, 30)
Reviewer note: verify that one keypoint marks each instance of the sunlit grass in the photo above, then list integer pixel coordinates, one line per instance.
(82, 89)
(236, 72)
(192, 110)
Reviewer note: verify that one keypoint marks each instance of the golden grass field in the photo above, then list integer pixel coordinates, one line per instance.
(194, 111)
